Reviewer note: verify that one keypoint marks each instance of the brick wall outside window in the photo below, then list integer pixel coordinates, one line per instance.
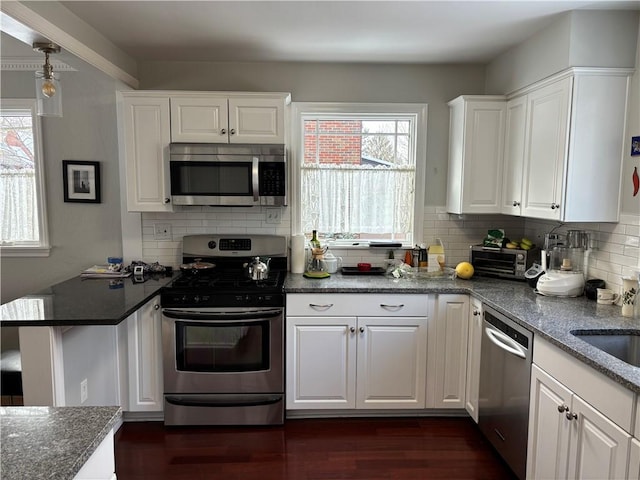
(335, 143)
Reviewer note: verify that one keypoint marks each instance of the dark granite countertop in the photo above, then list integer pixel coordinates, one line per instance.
(80, 301)
(51, 442)
(552, 318)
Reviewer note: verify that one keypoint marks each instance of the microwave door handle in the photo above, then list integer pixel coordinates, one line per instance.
(255, 176)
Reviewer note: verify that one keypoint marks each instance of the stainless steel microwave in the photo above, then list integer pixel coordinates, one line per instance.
(502, 262)
(227, 174)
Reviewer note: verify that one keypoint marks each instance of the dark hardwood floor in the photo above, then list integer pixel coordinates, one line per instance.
(310, 449)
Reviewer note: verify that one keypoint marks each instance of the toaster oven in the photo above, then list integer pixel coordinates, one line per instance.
(508, 263)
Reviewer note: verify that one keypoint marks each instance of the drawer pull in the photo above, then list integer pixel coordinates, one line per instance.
(325, 306)
(352, 329)
(385, 305)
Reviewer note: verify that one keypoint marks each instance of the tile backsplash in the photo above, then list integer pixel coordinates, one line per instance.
(615, 246)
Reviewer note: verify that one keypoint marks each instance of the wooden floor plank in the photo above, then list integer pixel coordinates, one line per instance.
(310, 449)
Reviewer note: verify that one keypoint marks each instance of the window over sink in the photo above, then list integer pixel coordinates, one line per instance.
(359, 171)
(23, 223)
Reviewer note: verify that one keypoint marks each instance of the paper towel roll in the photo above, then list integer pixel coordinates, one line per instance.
(297, 253)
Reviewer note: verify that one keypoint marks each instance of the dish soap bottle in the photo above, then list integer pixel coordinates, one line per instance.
(436, 256)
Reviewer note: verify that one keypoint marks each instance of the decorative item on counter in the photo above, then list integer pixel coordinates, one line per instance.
(316, 267)
(436, 257)
(494, 238)
(154, 267)
(114, 263)
(464, 270)
(408, 258)
(629, 293)
(591, 286)
(636, 181)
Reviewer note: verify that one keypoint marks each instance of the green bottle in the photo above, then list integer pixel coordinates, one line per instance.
(315, 243)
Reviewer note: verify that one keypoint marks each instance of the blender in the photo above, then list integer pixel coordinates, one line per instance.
(565, 273)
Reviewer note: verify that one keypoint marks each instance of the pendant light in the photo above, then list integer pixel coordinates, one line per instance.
(48, 90)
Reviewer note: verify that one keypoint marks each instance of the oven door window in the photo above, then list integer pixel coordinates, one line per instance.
(211, 178)
(222, 347)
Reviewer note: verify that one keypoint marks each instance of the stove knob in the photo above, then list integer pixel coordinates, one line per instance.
(196, 299)
(212, 244)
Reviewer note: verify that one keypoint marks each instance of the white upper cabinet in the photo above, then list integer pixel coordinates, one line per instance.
(573, 144)
(476, 144)
(249, 118)
(145, 137)
(514, 156)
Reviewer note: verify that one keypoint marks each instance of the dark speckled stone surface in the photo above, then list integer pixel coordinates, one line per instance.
(51, 442)
(78, 301)
(552, 318)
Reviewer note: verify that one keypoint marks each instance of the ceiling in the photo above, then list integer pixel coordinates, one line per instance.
(323, 31)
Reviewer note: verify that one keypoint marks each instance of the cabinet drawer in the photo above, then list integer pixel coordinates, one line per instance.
(373, 305)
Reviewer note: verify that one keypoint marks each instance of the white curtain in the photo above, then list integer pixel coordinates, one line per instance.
(357, 199)
(18, 206)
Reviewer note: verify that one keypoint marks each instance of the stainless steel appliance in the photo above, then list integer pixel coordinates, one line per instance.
(508, 263)
(223, 335)
(227, 174)
(505, 373)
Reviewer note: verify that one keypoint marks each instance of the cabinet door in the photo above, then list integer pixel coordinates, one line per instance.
(199, 119)
(546, 149)
(256, 120)
(321, 362)
(549, 429)
(145, 358)
(476, 148)
(516, 116)
(598, 447)
(473, 358)
(448, 352)
(392, 359)
(146, 132)
(634, 460)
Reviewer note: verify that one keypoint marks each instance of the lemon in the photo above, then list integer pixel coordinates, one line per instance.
(464, 270)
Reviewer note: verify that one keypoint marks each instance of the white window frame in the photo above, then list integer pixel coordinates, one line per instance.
(300, 109)
(41, 248)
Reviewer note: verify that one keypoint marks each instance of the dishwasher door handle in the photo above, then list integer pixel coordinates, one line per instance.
(506, 343)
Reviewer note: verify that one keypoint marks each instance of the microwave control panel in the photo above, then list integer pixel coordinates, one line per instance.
(272, 179)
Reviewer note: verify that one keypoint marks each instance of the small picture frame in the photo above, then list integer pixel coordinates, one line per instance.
(635, 146)
(81, 181)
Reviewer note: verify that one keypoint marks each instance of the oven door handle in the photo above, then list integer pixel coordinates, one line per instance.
(222, 316)
(223, 400)
(504, 342)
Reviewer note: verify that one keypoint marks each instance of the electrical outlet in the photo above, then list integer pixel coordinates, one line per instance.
(84, 390)
(274, 215)
(162, 231)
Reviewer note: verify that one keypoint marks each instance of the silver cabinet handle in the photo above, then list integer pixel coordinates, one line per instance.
(223, 131)
(232, 131)
(572, 416)
(563, 408)
(361, 329)
(316, 305)
(516, 203)
(385, 305)
(352, 329)
(167, 200)
(255, 176)
(554, 206)
(156, 307)
(476, 313)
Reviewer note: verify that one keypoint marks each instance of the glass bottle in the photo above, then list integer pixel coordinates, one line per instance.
(315, 243)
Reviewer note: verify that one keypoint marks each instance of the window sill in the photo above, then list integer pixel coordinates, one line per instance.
(22, 251)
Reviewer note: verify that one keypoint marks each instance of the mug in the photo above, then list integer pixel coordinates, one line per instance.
(332, 264)
(606, 296)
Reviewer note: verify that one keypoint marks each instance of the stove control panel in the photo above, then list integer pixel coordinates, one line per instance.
(174, 300)
(235, 244)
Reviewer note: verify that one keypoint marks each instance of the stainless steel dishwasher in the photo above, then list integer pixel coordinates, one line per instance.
(505, 374)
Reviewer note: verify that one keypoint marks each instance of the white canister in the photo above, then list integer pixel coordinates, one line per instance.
(332, 264)
(297, 253)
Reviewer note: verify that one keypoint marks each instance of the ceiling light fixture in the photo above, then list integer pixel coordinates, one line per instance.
(48, 90)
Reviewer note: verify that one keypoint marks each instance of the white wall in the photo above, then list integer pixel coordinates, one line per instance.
(80, 234)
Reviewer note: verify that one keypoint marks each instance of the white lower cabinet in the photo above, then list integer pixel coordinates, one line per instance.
(337, 359)
(568, 438)
(634, 460)
(474, 342)
(447, 362)
(145, 358)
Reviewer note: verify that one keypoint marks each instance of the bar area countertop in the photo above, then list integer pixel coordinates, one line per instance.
(82, 301)
(51, 442)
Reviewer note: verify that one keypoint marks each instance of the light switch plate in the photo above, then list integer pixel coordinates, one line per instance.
(273, 215)
(162, 231)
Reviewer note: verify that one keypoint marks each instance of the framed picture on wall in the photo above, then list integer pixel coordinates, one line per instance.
(81, 181)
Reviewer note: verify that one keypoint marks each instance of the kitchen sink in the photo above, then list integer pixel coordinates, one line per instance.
(622, 344)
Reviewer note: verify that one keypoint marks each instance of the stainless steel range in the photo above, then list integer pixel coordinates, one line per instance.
(222, 332)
